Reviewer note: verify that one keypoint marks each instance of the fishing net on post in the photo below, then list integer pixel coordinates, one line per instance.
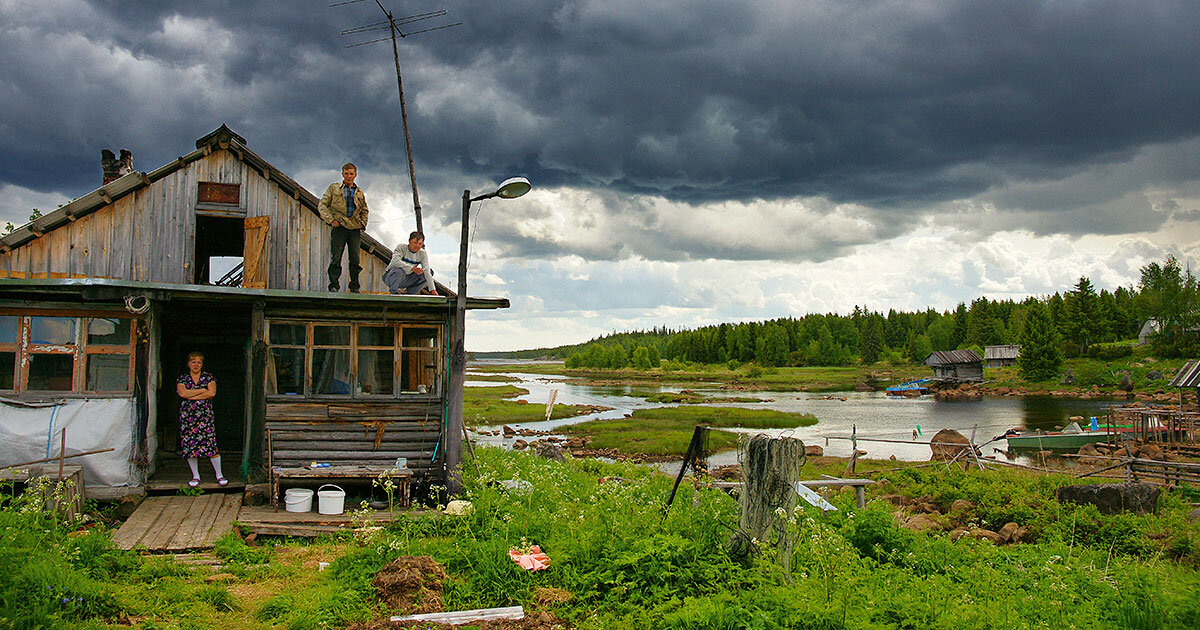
(770, 470)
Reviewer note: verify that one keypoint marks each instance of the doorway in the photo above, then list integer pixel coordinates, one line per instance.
(221, 333)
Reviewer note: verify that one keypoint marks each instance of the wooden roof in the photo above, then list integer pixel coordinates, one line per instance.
(221, 138)
(1187, 376)
(951, 357)
(993, 353)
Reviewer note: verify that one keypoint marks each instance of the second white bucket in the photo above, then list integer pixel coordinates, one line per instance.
(298, 499)
(330, 501)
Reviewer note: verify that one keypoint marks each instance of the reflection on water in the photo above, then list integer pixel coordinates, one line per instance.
(872, 414)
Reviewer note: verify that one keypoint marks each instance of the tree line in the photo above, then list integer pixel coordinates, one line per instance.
(1077, 322)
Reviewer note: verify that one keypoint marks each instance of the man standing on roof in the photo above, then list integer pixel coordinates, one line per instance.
(409, 270)
(344, 207)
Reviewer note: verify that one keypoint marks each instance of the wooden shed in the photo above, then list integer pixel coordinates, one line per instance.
(102, 300)
(955, 365)
(1001, 356)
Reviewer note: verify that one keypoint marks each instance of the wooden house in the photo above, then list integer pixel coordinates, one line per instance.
(955, 366)
(1001, 356)
(102, 300)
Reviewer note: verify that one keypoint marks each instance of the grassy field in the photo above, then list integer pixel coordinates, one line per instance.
(751, 377)
(668, 430)
(486, 406)
(620, 559)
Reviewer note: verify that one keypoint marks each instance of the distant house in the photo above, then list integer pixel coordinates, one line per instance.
(1149, 328)
(1001, 356)
(955, 365)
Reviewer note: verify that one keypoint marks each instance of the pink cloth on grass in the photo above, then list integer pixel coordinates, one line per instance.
(535, 560)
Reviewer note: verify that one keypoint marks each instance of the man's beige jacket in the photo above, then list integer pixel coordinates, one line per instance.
(333, 207)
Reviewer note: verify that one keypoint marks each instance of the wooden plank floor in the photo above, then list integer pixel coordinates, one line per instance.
(178, 523)
(269, 521)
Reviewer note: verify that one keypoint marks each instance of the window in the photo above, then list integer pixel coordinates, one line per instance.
(58, 354)
(360, 360)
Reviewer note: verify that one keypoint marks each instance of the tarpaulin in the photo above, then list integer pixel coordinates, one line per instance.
(29, 432)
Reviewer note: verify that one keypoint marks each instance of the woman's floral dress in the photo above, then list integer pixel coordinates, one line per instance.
(197, 425)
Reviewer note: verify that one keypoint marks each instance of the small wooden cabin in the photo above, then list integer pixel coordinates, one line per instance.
(957, 366)
(1001, 356)
(102, 300)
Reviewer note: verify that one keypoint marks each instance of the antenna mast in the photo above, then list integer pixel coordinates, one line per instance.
(393, 24)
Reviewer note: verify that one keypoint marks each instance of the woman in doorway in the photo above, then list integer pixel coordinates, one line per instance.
(197, 425)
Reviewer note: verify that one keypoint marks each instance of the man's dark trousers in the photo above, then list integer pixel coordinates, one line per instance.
(341, 238)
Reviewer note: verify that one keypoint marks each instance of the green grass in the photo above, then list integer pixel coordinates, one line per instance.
(486, 406)
(692, 398)
(628, 561)
(493, 378)
(751, 377)
(668, 430)
(1094, 373)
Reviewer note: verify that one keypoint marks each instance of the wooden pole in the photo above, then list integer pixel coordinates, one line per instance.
(458, 360)
(62, 451)
(50, 459)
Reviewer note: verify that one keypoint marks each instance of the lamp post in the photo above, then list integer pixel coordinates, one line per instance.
(509, 189)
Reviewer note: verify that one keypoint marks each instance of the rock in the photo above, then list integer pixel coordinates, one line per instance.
(863, 387)
(961, 505)
(1006, 532)
(1154, 375)
(520, 445)
(1023, 534)
(508, 431)
(987, 534)
(959, 533)
(550, 451)
(459, 507)
(1089, 454)
(1126, 381)
(945, 444)
(1150, 451)
(922, 523)
(1194, 515)
(574, 442)
(1111, 498)
(892, 457)
(814, 451)
(220, 577)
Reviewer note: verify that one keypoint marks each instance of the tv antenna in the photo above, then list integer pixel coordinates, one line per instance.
(392, 24)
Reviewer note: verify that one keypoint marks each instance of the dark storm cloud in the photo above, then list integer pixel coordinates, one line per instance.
(890, 104)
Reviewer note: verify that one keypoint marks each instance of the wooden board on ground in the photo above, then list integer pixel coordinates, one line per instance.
(179, 523)
(269, 521)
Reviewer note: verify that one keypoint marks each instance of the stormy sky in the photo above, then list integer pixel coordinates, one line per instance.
(693, 161)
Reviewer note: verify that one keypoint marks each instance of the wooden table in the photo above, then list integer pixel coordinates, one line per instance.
(401, 476)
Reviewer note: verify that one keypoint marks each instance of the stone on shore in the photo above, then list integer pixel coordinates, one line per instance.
(947, 444)
(1112, 498)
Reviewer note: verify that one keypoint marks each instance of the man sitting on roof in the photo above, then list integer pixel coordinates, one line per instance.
(409, 270)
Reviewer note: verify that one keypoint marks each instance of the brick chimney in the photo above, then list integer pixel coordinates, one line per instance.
(115, 168)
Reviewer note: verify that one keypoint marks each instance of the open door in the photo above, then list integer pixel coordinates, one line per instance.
(256, 255)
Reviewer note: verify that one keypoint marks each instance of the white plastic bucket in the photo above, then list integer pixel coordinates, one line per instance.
(298, 499)
(330, 501)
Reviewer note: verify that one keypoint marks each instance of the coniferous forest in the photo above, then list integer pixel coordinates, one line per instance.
(1077, 321)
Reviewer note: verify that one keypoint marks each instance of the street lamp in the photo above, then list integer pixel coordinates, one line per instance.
(509, 189)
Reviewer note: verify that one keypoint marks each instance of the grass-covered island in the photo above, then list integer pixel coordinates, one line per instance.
(620, 559)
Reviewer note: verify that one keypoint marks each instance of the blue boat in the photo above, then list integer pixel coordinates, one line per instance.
(910, 389)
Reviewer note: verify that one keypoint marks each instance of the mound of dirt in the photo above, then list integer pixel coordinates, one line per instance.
(411, 585)
(548, 596)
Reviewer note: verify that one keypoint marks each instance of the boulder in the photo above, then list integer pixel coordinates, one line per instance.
(550, 451)
(922, 523)
(961, 505)
(1023, 534)
(520, 445)
(987, 534)
(1111, 498)
(1006, 533)
(814, 451)
(1150, 451)
(508, 431)
(1194, 515)
(947, 444)
(959, 533)
(1154, 375)
(1089, 454)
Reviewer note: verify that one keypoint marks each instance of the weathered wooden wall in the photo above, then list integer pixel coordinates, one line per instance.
(354, 432)
(149, 234)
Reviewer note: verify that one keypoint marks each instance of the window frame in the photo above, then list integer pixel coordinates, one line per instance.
(354, 347)
(78, 349)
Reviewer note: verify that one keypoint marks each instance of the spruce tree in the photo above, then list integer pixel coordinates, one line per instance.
(1040, 357)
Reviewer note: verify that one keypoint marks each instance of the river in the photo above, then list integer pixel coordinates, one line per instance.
(870, 414)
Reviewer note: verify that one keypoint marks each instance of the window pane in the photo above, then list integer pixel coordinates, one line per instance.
(10, 328)
(108, 373)
(418, 368)
(52, 330)
(331, 371)
(8, 362)
(376, 336)
(285, 371)
(331, 335)
(50, 372)
(420, 337)
(287, 334)
(108, 331)
(375, 372)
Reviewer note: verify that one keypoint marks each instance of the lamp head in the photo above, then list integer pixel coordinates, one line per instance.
(513, 187)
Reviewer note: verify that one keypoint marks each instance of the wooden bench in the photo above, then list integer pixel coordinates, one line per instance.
(859, 485)
(401, 477)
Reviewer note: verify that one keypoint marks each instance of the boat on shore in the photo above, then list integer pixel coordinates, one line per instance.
(1072, 437)
(909, 389)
